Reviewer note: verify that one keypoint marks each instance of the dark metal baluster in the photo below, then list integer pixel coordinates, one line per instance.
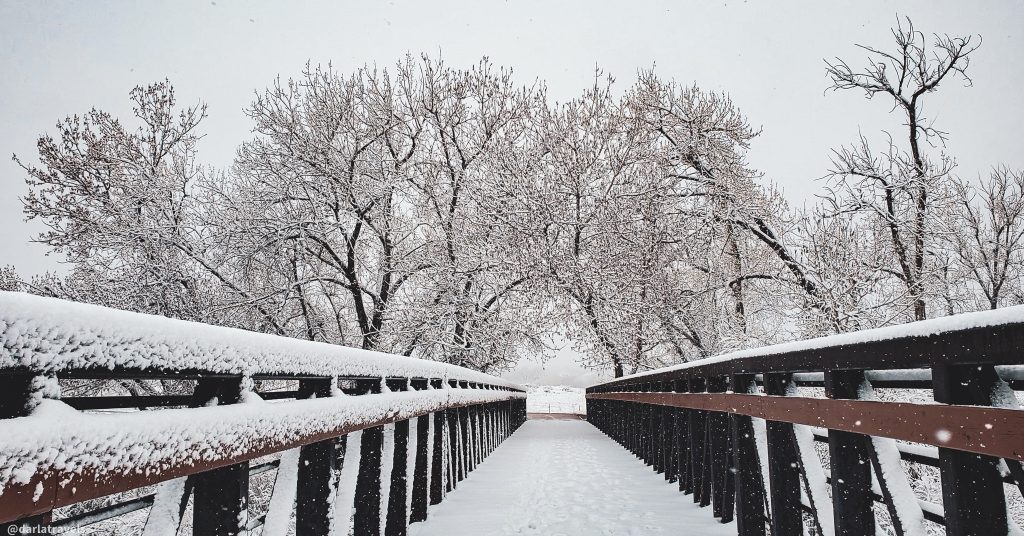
(397, 517)
(420, 491)
(437, 455)
(972, 490)
(721, 477)
(452, 419)
(850, 460)
(464, 447)
(671, 443)
(488, 429)
(472, 433)
(783, 467)
(15, 394)
(366, 521)
(750, 491)
(221, 496)
(653, 432)
(697, 435)
(318, 464)
(636, 424)
(521, 404)
(15, 397)
(632, 412)
(682, 426)
(657, 434)
(706, 476)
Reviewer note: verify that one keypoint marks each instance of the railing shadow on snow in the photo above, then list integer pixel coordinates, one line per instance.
(738, 431)
(354, 436)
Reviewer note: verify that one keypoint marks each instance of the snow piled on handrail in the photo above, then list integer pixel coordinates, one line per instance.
(56, 439)
(47, 335)
(923, 328)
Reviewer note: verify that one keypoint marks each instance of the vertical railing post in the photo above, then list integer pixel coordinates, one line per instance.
(698, 436)
(437, 456)
(397, 520)
(464, 447)
(366, 520)
(420, 488)
(472, 434)
(973, 499)
(634, 412)
(631, 412)
(722, 478)
(783, 466)
(16, 389)
(220, 496)
(850, 460)
(750, 520)
(643, 427)
(520, 417)
(668, 423)
(492, 429)
(318, 463)
(15, 394)
(657, 434)
(682, 427)
(452, 420)
(653, 448)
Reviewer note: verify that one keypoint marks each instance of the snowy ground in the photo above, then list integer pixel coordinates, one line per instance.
(555, 399)
(566, 478)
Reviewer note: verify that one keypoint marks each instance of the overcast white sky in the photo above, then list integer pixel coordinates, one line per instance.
(62, 58)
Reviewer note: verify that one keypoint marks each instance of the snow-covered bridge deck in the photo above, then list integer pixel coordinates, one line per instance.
(564, 477)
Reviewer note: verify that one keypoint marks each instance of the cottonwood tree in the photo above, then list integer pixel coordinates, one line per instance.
(454, 215)
(365, 199)
(328, 192)
(628, 230)
(701, 139)
(988, 241)
(474, 310)
(353, 186)
(573, 189)
(841, 252)
(118, 204)
(9, 279)
(901, 187)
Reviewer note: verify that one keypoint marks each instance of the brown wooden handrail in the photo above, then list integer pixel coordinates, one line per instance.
(991, 431)
(64, 488)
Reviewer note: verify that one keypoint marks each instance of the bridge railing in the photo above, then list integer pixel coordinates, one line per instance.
(921, 420)
(164, 417)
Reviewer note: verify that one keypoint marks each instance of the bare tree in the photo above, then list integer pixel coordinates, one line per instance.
(360, 214)
(901, 186)
(988, 242)
(702, 139)
(325, 183)
(841, 252)
(576, 211)
(119, 205)
(474, 309)
(454, 215)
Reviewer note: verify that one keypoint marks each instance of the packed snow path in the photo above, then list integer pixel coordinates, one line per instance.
(554, 478)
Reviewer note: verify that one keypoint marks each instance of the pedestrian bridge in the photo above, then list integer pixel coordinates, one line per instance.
(120, 423)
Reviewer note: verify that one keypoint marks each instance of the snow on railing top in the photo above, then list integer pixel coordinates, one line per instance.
(914, 330)
(50, 335)
(58, 456)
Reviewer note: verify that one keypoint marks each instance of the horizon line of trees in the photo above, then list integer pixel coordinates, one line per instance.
(452, 214)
